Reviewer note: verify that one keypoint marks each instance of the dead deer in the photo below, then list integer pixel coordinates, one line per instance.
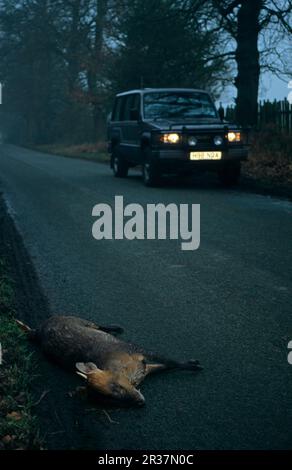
(110, 366)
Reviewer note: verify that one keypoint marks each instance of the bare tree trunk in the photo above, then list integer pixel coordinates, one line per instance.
(73, 58)
(73, 47)
(247, 57)
(95, 69)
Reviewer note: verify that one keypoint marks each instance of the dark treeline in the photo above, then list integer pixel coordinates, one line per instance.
(62, 61)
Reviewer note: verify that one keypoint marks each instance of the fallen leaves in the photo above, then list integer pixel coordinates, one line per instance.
(15, 415)
(270, 156)
(8, 439)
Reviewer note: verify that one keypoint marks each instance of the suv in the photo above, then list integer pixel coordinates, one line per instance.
(173, 130)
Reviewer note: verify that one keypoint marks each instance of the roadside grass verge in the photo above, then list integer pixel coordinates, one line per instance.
(270, 157)
(18, 425)
(267, 171)
(88, 151)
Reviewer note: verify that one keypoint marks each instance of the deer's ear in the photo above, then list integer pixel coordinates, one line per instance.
(86, 368)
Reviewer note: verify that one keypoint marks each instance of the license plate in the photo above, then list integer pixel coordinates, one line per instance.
(205, 155)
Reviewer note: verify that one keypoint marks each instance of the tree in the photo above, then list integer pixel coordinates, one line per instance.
(28, 64)
(165, 43)
(245, 21)
(49, 64)
(95, 66)
(83, 47)
(63, 60)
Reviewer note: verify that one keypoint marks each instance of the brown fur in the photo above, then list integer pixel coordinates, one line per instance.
(110, 366)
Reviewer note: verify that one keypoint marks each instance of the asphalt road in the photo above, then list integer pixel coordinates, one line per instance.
(227, 304)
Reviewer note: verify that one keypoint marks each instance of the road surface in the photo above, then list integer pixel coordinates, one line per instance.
(227, 304)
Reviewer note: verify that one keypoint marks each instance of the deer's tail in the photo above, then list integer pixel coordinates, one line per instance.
(29, 331)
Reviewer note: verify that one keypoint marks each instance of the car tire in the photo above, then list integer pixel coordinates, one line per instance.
(150, 170)
(229, 175)
(119, 165)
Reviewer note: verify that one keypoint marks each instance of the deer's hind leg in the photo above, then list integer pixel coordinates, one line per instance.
(152, 368)
(168, 364)
(106, 328)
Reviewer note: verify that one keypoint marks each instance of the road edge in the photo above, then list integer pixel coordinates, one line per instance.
(247, 183)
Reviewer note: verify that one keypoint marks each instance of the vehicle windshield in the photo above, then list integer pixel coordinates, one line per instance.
(185, 105)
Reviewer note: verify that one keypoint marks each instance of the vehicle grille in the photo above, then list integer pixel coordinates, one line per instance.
(205, 141)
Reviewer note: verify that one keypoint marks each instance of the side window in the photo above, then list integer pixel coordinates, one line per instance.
(128, 107)
(124, 105)
(136, 102)
(117, 109)
(122, 109)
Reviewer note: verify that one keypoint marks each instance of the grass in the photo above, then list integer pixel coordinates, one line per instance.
(270, 157)
(87, 151)
(18, 425)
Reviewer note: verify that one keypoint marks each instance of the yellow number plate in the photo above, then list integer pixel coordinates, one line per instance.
(205, 155)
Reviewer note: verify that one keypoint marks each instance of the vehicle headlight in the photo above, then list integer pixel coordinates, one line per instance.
(171, 138)
(193, 140)
(218, 140)
(234, 136)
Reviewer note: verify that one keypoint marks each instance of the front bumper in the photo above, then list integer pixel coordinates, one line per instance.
(179, 159)
(181, 155)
